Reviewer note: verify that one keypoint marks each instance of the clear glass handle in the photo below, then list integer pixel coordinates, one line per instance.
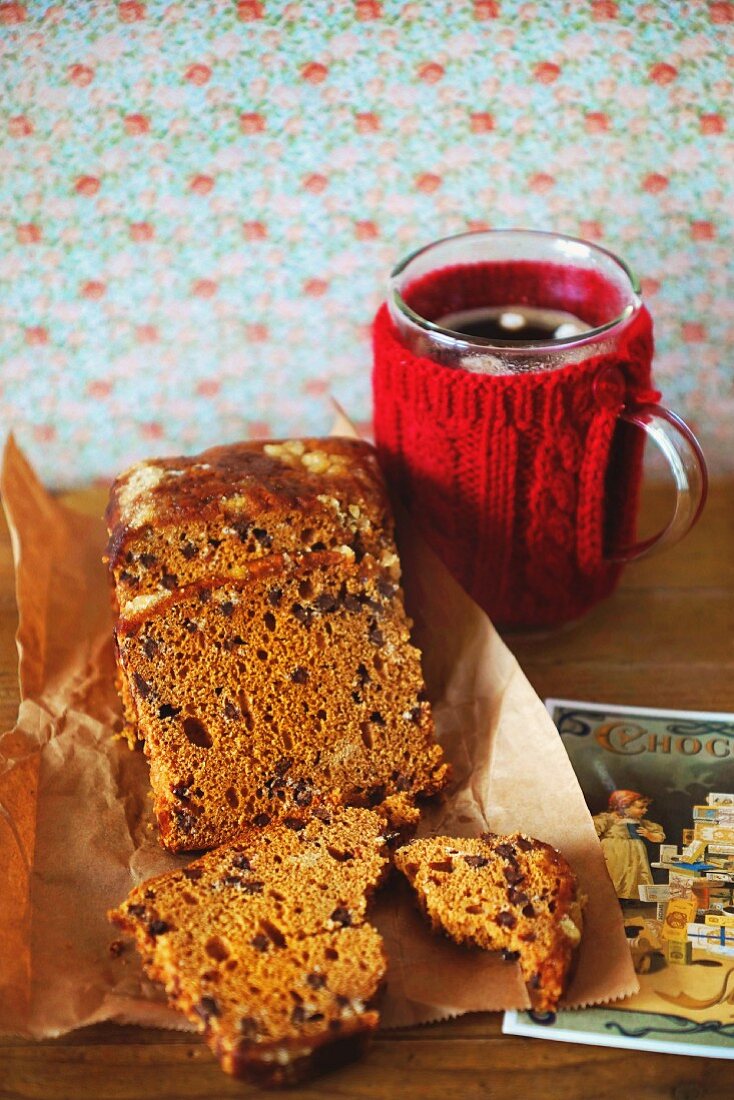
(683, 453)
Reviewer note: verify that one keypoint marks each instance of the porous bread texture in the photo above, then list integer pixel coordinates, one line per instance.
(264, 944)
(295, 686)
(171, 520)
(512, 894)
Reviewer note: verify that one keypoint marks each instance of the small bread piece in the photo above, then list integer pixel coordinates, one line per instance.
(263, 943)
(259, 697)
(172, 521)
(511, 894)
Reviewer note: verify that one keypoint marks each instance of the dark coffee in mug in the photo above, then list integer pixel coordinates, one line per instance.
(514, 322)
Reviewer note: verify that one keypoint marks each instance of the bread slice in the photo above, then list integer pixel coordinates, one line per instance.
(294, 685)
(511, 894)
(264, 944)
(172, 521)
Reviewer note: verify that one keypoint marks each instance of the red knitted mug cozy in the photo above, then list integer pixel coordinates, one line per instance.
(519, 482)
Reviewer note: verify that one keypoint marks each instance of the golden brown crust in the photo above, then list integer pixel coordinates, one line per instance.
(170, 519)
(512, 894)
(264, 945)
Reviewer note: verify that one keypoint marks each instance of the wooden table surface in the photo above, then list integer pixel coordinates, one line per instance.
(665, 639)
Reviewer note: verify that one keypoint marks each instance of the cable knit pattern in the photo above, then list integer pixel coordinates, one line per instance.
(507, 474)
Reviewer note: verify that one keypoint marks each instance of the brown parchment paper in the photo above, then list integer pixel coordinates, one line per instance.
(76, 828)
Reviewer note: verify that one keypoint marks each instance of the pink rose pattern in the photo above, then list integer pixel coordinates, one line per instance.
(199, 203)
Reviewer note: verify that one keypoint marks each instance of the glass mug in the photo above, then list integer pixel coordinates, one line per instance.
(513, 396)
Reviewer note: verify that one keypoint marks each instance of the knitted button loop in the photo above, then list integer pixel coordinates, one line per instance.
(610, 387)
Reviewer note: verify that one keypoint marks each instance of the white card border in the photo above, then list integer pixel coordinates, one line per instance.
(648, 712)
(513, 1025)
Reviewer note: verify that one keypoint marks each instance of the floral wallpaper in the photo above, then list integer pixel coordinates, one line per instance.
(200, 201)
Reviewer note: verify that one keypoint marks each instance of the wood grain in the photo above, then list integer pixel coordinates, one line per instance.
(665, 639)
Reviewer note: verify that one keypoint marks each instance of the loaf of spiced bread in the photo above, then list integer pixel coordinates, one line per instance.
(284, 675)
(265, 946)
(512, 894)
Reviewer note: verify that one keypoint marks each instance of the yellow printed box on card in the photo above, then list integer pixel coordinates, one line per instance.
(679, 952)
(721, 920)
(679, 913)
(713, 834)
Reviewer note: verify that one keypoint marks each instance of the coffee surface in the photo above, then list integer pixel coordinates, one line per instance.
(514, 322)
